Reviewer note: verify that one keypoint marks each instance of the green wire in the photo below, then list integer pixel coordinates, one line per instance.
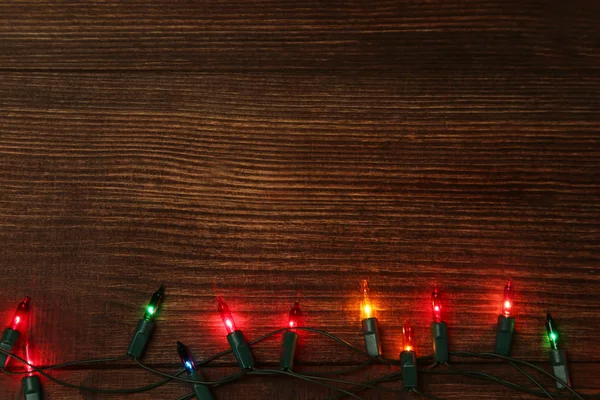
(488, 355)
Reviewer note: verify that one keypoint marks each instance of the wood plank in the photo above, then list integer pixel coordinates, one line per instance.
(266, 35)
(264, 188)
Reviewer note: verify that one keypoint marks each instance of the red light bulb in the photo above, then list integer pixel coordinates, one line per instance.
(408, 337)
(436, 305)
(20, 318)
(508, 299)
(294, 316)
(31, 387)
(28, 357)
(226, 316)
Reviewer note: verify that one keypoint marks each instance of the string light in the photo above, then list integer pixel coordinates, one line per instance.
(12, 333)
(436, 305)
(439, 329)
(552, 333)
(235, 337)
(201, 392)
(225, 314)
(146, 325)
(289, 340)
(408, 358)
(31, 386)
(294, 316)
(506, 322)
(370, 325)
(508, 299)
(19, 320)
(154, 304)
(366, 305)
(407, 334)
(558, 358)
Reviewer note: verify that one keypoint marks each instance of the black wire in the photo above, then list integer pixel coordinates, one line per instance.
(257, 340)
(175, 377)
(510, 385)
(310, 377)
(337, 339)
(186, 397)
(362, 384)
(305, 378)
(341, 371)
(386, 378)
(484, 376)
(275, 332)
(532, 379)
(88, 388)
(71, 363)
(427, 396)
(488, 355)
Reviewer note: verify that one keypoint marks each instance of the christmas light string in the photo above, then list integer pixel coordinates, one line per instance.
(410, 366)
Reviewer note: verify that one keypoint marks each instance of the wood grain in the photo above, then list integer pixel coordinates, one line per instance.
(265, 151)
(267, 35)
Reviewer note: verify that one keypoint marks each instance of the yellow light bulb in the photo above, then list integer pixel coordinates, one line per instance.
(366, 306)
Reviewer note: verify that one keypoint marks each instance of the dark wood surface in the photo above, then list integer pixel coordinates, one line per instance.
(267, 150)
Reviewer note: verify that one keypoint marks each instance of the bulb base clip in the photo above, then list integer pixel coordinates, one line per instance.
(9, 338)
(408, 360)
(241, 350)
(288, 350)
(370, 328)
(439, 338)
(504, 335)
(32, 388)
(201, 392)
(143, 332)
(558, 360)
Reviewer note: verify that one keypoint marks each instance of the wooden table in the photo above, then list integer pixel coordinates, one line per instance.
(267, 150)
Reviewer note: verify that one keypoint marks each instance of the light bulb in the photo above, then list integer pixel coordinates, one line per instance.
(186, 357)
(508, 299)
(436, 305)
(20, 318)
(226, 316)
(294, 316)
(154, 303)
(366, 306)
(552, 332)
(407, 334)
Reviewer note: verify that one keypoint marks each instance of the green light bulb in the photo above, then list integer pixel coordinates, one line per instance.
(154, 303)
(552, 334)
